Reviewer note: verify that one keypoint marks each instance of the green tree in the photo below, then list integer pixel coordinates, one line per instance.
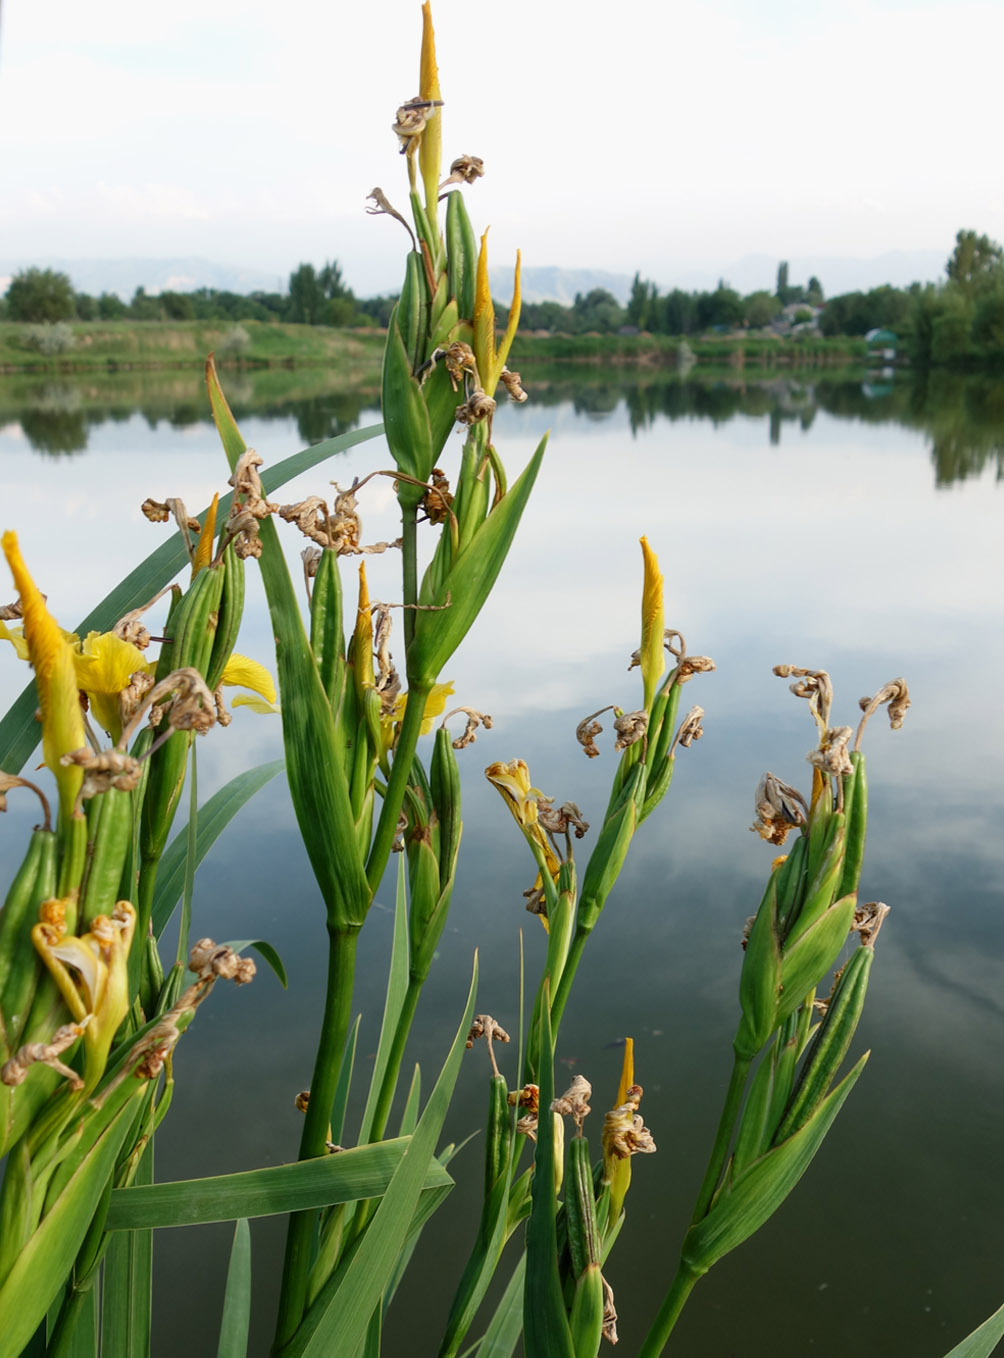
(814, 292)
(305, 296)
(40, 295)
(178, 306)
(144, 308)
(724, 306)
(111, 306)
(783, 290)
(759, 309)
(597, 310)
(975, 261)
(86, 306)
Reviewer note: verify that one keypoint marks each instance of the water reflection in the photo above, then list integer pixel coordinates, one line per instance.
(962, 417)
(58, 416)
(796, 521)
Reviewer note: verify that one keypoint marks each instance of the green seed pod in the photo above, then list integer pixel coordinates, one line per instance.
(406, 419)
(461, 255)
(580, 1207)
(822, 884)
(760, 978)
(444, 787)
(192, 627)
(611, 848)
(856, 807)
(20, 968)
(327, 630)
(805, 962)
(586, 1318)
(412, 311)
(109, 853)
(229, 615)
(791, 885)
(830, 1045)
(498, 1135)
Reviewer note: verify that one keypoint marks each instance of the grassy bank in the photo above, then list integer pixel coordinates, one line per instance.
(667, 351)
(117, 346)
(124, 345)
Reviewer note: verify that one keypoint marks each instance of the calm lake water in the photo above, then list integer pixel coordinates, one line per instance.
(842, 525)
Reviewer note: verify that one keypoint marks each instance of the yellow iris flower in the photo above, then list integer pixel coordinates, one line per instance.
(92, 973)
(51, 658)
(490, 361)
(653, 624)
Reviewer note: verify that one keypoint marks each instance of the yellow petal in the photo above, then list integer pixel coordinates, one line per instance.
(361, 645)
(243, 672)
(502, 353)
(16, 638)
(483, 341)
(627, 1071)
(259, 705)
(104, 666)
(430, 151)
(55, 681)
(435, 706)
(204, 549)
(652, 624)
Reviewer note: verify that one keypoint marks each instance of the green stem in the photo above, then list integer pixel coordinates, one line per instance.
(330, 1049)
(669, 1312)
(723, 1137)
(564, 989)
(388, 1085)
(409, 569)
(397, 784)
(62, 1342)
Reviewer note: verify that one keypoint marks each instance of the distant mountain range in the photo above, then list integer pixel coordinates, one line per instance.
(124, 276)
(837, 274)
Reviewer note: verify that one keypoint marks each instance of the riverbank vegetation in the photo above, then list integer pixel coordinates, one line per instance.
(959, 323)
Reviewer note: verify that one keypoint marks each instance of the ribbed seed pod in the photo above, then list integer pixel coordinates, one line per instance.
(586, 1318)
(856, 807)
(610, 850)
(461, 255)
(830, 1045)
(444, 788)
(327, 634)
(229, 615)
(20, 968)
(109, 849)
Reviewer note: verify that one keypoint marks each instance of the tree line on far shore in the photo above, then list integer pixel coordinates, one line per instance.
(958, 321)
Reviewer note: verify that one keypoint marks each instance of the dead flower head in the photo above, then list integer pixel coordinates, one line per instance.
(464, 170)
(208, 959)
(816, 686)
(693, 664)
(831, 756)
(690, 729)
(896, 694)
(513, 384)
(527, 1098)
(630, 727)
(474, 720)
(780, 808)
(249, 505)
(624, 1130)
(868, 920)
(410, 121)
(574, 1103)
(104, 769)
(477, 407)
(437, 499)
(557, 820)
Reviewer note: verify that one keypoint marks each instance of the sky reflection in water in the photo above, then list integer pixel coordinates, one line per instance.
(832, 548)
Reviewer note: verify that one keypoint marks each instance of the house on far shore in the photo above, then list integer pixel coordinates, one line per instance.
(881, 344)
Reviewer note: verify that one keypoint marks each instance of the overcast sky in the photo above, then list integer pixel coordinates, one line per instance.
(656, 135)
